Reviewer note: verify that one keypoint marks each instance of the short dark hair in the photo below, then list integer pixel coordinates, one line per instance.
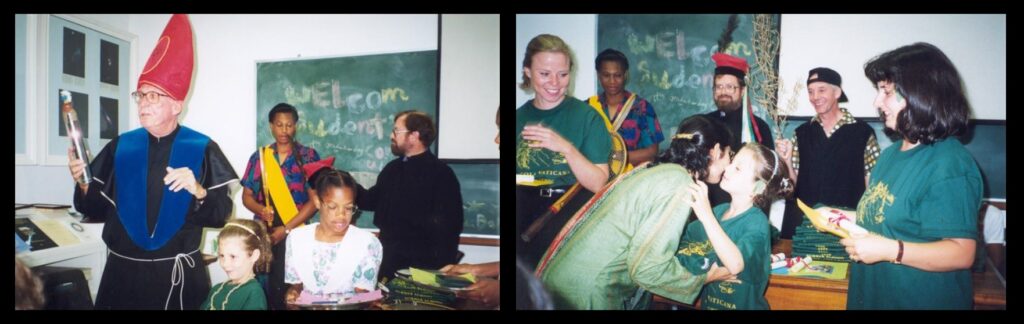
(418, 121)
(613, 56)
(327, 178)
(692, 152)
(282, 108)
(936, 105)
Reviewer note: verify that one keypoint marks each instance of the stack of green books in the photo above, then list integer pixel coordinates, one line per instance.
(824, 246)
(402, 290)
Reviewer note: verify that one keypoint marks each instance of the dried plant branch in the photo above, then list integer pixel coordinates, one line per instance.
(767, 83)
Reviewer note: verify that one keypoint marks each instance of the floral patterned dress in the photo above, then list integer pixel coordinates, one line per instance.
(332, 270)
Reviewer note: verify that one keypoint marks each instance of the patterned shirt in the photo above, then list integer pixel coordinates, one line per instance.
(291, 169)
(641, 128)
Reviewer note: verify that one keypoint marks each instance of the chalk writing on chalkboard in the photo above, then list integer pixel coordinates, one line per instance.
(481, 196)
(670, 59)
(347, 105)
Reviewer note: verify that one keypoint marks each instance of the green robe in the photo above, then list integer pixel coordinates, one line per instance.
(925, 194)
(247, 297)
(624, 240)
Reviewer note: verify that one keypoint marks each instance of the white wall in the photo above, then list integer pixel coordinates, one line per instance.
(222, 101)
(975, 43)
(469, 86)
(579, 31)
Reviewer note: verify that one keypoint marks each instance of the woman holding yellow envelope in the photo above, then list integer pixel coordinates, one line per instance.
(281, 200)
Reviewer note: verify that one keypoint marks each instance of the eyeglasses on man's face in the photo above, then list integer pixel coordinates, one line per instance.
(151, 97)
(726, 87)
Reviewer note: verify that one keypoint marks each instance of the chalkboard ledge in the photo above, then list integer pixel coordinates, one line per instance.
(464, 240)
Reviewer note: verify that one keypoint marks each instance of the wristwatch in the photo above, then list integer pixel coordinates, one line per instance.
(287, 230)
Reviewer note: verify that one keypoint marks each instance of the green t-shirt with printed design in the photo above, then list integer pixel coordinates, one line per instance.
(750, 231)
(575, 121)
(921, 195)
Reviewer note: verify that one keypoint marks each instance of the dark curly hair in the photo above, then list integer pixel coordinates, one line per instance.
(936, 105)
(283, 108)
(692, 153)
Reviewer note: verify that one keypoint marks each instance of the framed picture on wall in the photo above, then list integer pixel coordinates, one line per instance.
(108, 118)
(74, 52)
(108, 62)
(91, 61)
(208, 245)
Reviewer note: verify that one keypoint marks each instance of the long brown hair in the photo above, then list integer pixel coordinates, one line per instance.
(773, 172)
(257, 239)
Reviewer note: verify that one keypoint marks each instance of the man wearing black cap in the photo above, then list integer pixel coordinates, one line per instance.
(830, 160)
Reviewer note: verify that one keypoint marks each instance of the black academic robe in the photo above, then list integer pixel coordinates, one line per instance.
(417, 206)
(734, 122)
(128, 284)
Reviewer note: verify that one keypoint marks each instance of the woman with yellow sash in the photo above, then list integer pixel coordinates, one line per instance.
(628, 114)
(286, 187)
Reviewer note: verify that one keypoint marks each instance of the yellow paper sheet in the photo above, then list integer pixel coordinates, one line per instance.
(57, 232)
(423, 277)
(429, 277)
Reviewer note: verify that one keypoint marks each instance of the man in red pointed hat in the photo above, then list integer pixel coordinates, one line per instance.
(156, 187)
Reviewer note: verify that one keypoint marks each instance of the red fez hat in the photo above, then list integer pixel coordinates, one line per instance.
(311, 168)
(170, 65)
(728, 64)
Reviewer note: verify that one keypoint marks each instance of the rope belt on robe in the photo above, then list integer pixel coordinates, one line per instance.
(177, 273)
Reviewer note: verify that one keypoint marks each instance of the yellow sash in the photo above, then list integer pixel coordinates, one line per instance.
(613, 126)
(278, 187)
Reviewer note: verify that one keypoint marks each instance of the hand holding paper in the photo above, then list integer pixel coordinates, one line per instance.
(833, 221)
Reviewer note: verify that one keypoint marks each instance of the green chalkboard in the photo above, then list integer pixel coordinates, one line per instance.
(670, 59)
(347, 105)
(481, 195)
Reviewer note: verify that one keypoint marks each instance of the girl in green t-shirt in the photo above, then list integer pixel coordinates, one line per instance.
(242, 247)
(736, 234)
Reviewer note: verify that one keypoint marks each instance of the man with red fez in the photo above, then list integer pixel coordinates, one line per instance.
(732, 100)
(156, 187)
(730, 92)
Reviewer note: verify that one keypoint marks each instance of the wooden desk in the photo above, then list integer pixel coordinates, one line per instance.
(790, 292)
